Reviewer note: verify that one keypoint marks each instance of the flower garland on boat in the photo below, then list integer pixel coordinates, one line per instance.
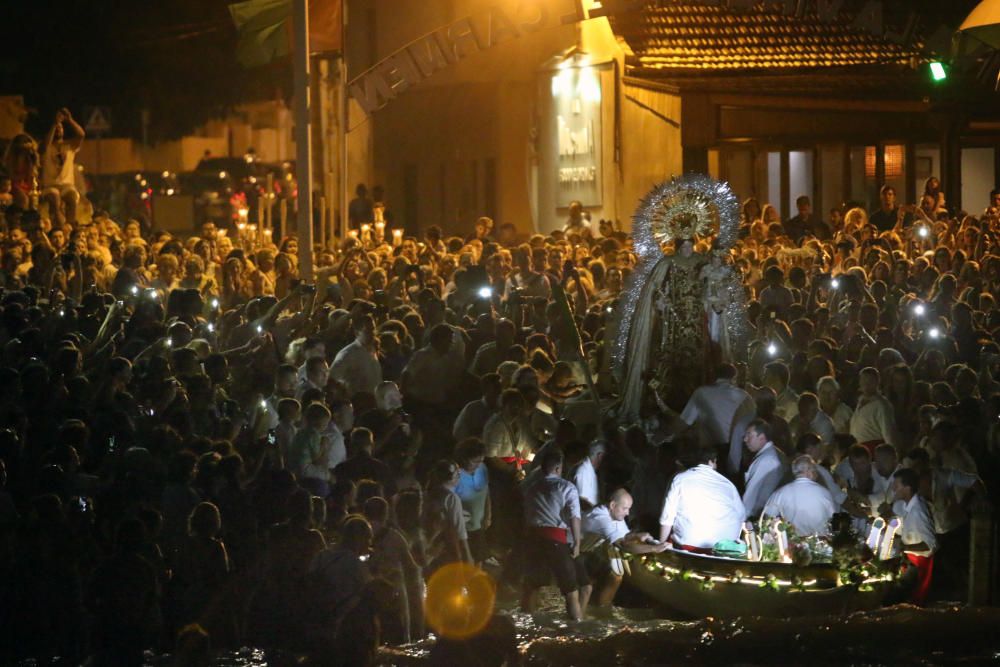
(777, 541)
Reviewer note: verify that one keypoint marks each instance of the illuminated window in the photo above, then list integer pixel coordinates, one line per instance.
(894, 157)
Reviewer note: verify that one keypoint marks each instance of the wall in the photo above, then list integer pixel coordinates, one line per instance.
(978, 178)
(266, 126)
(116, 156)
(435, 145)
(440, 139)
(651, 145)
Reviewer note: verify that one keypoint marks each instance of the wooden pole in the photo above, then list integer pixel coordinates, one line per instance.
(345, 117)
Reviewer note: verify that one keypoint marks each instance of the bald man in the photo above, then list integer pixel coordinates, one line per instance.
(605, 535)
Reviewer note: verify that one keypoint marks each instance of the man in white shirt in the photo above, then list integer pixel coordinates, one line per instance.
(811, 445)
(862, 484)
(945, 490)
(357, 365)
(811, 419)
(804, 503)
(585, 475)
(873, 421)
(720, 411)
(553, 546)
(949, 494)
(605, 535)
(702, 507)
(885, 463)
(915, 535)
(768, 470)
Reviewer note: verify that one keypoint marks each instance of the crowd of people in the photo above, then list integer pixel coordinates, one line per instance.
(200, 449)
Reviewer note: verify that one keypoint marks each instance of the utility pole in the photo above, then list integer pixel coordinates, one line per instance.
(303, 154)
(345, 116)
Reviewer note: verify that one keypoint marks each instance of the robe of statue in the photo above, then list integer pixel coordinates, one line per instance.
(669, 346)
(723, 291)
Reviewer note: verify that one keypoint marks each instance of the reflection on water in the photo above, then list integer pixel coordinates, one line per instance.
(901, 634)
(891, 636)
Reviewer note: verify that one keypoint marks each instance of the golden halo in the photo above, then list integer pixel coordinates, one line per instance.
(684, 214)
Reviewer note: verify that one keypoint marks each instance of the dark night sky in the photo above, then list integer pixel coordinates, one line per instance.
(175, 57)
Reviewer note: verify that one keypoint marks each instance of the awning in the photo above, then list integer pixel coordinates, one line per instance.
(983, 24)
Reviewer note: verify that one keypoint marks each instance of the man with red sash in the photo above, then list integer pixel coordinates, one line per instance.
(552, 546)
(916, 533)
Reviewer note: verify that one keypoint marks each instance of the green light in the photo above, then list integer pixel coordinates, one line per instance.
(938, 72)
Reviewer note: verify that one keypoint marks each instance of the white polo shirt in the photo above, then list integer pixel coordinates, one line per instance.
(808, 506)
(917, 526)
(600, 529)
(715, 408)
(701, 508)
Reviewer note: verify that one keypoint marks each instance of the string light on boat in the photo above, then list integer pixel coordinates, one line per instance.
(670, 573)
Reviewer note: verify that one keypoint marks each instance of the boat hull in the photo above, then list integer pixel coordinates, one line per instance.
(698, 586)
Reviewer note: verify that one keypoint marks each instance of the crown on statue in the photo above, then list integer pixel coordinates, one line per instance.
(685, 214)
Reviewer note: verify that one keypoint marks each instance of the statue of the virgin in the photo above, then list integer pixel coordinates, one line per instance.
(683, 312)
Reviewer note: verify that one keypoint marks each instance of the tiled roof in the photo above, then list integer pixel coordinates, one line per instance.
(676, 38)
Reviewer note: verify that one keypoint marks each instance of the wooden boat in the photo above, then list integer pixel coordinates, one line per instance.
(699, 585)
